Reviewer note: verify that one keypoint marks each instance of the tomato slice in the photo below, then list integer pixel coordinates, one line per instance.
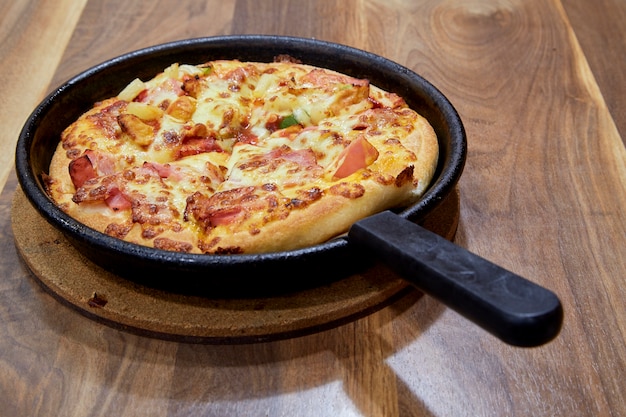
(357, 155)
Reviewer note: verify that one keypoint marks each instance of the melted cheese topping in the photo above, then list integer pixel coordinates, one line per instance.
(198, 152)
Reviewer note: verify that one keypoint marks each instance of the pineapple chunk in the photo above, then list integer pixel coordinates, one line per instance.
(132, 90)
(172, 71)
(182, 109)
(144, 111)
(138, 131)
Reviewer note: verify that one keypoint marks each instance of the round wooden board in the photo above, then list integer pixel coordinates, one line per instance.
(117, 302)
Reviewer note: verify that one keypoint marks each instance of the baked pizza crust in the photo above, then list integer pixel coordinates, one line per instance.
(315, 222)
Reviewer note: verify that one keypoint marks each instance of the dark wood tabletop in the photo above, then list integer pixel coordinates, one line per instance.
(539, 86)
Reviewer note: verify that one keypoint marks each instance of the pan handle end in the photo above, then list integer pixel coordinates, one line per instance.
(514, 309)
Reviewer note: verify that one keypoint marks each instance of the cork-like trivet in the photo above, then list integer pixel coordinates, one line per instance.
(117, 302)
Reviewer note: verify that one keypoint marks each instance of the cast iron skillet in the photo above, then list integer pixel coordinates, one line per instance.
(512, 308)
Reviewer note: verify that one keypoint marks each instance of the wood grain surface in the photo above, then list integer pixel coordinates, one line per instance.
(33, 36)
(539, 85)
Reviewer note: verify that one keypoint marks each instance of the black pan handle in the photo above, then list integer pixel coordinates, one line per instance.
(517, 311)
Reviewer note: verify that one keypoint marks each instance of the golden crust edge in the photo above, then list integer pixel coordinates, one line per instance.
(311, 230)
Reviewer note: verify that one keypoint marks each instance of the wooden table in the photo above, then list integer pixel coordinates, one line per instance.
(540, 87)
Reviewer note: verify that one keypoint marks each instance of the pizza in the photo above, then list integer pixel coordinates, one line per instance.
(231, 157)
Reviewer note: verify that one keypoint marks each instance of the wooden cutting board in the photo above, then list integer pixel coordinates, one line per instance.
(106, 298)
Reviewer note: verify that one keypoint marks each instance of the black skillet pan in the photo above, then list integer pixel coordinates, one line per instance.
(510, 307)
